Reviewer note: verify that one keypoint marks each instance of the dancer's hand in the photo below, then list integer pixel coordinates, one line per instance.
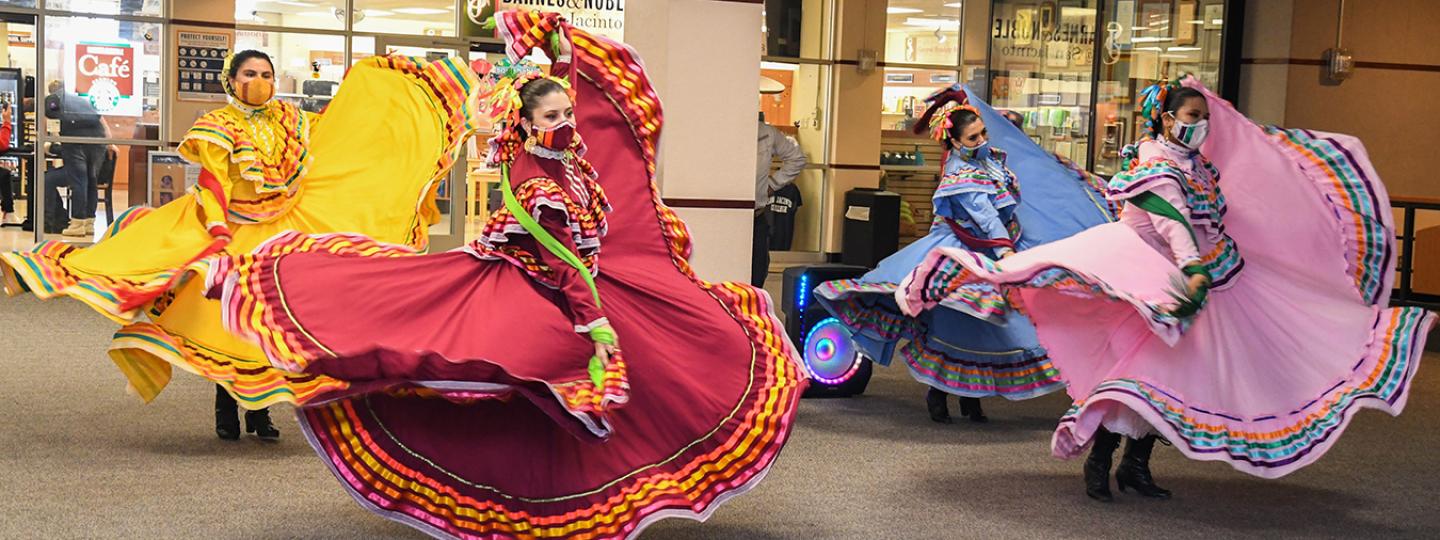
(1195, 283)
(603, 351)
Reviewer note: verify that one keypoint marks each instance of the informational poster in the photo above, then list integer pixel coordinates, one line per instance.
(104, 74)
(600, 17)
(201, 64)
(170, 176)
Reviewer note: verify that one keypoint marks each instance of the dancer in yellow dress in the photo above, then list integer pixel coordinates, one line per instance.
(371, 166)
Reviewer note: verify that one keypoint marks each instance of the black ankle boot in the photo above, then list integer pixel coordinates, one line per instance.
(1097, 466)
(1134, 470)
(970, 407)
(258, 422)
(939, 410)
(227, 420)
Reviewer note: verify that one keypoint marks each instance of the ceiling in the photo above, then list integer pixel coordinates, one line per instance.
(434, 11)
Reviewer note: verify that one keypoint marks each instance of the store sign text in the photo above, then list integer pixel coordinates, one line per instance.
(602, 17)
(104, 74)
(117, 67)
(1025, 38)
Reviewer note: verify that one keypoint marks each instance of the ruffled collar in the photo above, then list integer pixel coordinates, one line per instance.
(1175, 148)
(250, 110)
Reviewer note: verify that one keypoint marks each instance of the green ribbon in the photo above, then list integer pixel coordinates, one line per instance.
(553, 245)
(1189, 305)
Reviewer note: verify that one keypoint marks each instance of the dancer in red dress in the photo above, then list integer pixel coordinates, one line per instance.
(486, 384)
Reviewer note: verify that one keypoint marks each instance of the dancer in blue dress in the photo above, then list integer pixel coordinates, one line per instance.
(972, 346)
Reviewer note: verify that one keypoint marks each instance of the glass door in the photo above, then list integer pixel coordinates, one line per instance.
(454, 194)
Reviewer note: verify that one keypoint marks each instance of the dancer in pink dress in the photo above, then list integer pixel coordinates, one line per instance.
(1245, 320)
(485, 392)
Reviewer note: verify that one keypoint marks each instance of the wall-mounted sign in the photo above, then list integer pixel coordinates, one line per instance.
(942, 78)
(201, 62)
(600, 17)
(902, 78)
(104, 74)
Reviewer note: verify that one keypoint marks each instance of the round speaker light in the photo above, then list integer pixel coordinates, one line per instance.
(831, 355)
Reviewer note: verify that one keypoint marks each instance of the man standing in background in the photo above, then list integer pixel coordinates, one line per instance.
(81, 161)
(772, 144)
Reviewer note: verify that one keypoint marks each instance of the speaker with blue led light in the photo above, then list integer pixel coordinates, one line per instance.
(836, 364)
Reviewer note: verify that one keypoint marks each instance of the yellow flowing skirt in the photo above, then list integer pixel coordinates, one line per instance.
(380, 151)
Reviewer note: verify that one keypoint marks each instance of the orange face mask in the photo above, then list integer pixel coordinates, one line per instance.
(255, 92)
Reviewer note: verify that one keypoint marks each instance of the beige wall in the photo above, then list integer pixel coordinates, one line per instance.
(708, 146)
(1387, 107)
(184, 113)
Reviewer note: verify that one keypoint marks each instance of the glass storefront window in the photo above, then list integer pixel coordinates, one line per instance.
(800, 110)
(409, 17)
(317, 14)
(104, 78)
(17, 3)
(153, 8)
(308, 67)
(1143, 41)
(796, 29)
(109, 171)
(922, 32)
(905, 93)
(1041, 65)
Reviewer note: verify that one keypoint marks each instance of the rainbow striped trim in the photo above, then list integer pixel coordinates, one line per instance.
(1207, 208)
(1337, 165)
(449, 83)
(980, 300)
(1032, 376)
(144, 352)
(254, 306)
(228, 128)
(43, 270)
(869, 308)
(1269, 445)
(704, 474)
(946, 269)
(689, 484)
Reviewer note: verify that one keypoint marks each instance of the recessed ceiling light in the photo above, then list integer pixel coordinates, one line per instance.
(421, 11)
(955, 5)
(946, 24)
(902, 10)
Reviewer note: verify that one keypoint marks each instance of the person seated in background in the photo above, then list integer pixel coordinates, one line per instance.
(7, 195)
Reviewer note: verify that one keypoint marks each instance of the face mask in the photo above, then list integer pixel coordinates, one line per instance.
(974, 152)
(1191, 135)
(557, 137)
(255, 92)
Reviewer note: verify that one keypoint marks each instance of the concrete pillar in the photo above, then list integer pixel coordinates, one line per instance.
(1265, 69)
(703, 57)
(854, 126)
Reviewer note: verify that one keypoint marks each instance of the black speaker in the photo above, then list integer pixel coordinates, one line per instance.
(836, 365)
(872, 226)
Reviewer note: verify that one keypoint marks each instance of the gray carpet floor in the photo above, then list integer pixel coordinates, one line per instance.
(79, 458)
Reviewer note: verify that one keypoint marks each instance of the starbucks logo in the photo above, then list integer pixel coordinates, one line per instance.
(104, 95)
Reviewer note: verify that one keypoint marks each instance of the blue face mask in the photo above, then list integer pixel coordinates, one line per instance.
(979, 151)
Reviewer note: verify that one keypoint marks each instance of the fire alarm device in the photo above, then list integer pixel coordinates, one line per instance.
(1339, 64)
(866, 60)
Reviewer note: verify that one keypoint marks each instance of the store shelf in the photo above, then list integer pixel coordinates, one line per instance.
(934, 169)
